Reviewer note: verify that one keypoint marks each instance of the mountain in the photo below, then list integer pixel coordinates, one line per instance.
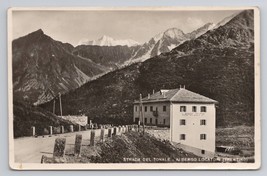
(238, 33)
(108, 41)
(111, 57)
(218, 64)
(166, 41)
(225, 20)
(43, 67)
(202, 30)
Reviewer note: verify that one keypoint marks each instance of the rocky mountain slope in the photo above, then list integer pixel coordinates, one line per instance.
(219, 64)
(166, 41)
(111, 57)
(43, 67)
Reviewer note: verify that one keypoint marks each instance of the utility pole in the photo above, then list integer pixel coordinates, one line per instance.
(54, 106)
(60, 105)
(142, 114)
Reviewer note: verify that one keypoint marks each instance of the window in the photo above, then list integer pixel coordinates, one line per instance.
(182, 122)
(203, 136)
(164, 108)
(164, 121)
(182, 136)
(145, 120)
(202, 151)
(151, 108)
(150, 120)
(156, 121)
(135, 108)
(194, 109)
(202, 122)
(203, 109)
(145, 108)
(182, 108)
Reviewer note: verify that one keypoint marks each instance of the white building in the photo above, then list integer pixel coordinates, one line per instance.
(190, 116)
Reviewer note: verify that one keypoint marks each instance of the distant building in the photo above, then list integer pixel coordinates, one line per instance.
(190, 116)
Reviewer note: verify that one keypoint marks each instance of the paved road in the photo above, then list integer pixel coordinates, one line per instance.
(30, 149)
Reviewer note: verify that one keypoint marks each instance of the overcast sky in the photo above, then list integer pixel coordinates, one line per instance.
(72, 26)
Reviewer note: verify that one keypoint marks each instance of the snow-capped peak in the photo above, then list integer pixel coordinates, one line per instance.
(108, 41)
(172, 33)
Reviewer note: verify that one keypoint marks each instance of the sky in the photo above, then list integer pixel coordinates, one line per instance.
(139, 25)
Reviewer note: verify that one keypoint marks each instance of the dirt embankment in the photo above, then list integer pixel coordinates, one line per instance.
(131, 147)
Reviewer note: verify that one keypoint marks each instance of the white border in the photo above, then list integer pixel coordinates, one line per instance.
(140, 166)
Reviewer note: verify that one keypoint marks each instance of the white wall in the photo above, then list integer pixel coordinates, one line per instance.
(193, 129)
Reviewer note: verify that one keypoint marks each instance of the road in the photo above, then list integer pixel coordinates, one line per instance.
(31, 149)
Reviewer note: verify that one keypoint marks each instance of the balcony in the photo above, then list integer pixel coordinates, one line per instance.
(155, 113)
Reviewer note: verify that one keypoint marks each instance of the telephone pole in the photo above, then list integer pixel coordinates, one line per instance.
(142, 114)
(60, 105)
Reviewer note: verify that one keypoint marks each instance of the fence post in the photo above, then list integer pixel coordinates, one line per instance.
(78, 144)
(62, 129)
(102, 134)
(109, 132)
(33, 130)
(71, 128)
(59, 148)
(92, 138)
(115, 131)
(50, 130)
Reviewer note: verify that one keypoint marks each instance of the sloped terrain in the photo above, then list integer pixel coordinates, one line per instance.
(26, 116)
(218, 64)
(43, 67)
(108, 56)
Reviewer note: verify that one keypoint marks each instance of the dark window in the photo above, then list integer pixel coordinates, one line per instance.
(202, 151)
(182, 122)
(203, 109)
(145, 109)
(203, 136)
(156, 121)
(202, 122)
(151, 120)
(136, 120)
(135, 108)
(182, 136)
(164, 121)
(182, 108)
(151, 108)
(164, 108)
(194, 109)
(145, 120)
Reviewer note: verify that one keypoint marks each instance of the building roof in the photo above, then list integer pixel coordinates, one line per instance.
(177, 95)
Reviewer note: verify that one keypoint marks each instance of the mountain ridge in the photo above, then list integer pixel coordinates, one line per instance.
(205, 65)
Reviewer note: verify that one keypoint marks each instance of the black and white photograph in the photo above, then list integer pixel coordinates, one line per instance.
(134, 88)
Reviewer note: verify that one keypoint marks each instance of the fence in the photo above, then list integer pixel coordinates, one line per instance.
(96, 135)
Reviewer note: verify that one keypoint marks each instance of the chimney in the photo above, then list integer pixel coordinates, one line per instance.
(148, 96)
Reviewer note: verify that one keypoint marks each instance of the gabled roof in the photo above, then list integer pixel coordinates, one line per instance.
(177, 95)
